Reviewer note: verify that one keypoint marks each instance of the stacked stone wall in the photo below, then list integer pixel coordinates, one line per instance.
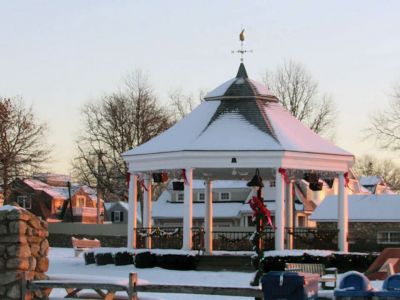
(23, 251)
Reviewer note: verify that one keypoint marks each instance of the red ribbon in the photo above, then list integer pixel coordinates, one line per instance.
(285, 176)
(346, 179)
(258, 207)
(141, 182)
(183, 176)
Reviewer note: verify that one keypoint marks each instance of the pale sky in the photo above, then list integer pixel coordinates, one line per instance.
(58, 55)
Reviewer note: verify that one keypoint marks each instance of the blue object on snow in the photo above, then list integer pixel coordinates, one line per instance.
(290, 286)
(354, 284)
(390, 288)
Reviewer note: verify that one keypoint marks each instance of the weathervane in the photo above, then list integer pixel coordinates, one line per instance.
(242, 51)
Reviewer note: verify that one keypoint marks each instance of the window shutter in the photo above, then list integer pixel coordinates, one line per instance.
(121, 216)
(112, 216)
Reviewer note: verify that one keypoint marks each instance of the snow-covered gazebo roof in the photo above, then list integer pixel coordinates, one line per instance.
(239, 119)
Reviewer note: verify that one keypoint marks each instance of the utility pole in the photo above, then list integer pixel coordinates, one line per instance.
(100, 155)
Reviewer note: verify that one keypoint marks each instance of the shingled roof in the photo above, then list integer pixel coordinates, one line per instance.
(239, 115)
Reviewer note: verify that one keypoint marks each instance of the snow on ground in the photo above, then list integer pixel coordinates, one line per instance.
(64, 265)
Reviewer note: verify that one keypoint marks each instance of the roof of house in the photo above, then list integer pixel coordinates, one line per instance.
(55, 192)
(370, 180)
(362, 208)
(248, 118)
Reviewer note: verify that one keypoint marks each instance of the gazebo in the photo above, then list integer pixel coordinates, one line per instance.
(240, 126)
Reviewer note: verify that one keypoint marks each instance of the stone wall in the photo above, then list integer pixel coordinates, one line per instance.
(23, 250)
(363, 236)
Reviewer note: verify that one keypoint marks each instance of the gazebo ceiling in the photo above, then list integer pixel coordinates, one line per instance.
(242, 119)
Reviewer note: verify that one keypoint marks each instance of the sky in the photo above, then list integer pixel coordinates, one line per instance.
(58, 55)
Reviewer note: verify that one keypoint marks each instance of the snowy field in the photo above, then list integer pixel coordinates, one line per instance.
(64, 264)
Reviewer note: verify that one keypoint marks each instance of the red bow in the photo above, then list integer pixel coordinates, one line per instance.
(183, 176)
(141, 182)
(285, 176)
(346, 179)
(258, 207)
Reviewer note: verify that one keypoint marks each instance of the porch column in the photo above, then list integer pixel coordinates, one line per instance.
(289, 214)
(187, 210)
(342, 215)
(208, 220)
(132, 214)
(147, 211)
(279, 212)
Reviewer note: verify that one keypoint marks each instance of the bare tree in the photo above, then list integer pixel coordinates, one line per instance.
(385, 124)
(22, 141)
(369, 165)
(112, 125)
(298, 93)
(182, 103)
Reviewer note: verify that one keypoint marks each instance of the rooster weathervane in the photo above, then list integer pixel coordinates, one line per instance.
(242, 51)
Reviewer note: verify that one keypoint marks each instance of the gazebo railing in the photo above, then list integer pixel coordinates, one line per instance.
(228, 240)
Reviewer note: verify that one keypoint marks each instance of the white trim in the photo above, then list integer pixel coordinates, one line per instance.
(245, 159)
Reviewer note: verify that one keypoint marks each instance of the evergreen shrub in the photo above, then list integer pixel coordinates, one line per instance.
(177, 262)
(89, 258)
(123, 258)
(145, 260)
(104, 259)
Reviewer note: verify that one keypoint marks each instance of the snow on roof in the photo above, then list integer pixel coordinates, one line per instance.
(370, 180)
(377, 208)
(55, 192)
(9, 208)
(221, 89)
(233, 119)
(294, 136)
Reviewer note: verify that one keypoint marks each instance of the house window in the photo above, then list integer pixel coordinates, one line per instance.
(201, 196)
(80, 201)
(272, 183)
(301, 221)
(224, 196)
(389, 237)
(24, 201)
(117, 216)
(180, 197)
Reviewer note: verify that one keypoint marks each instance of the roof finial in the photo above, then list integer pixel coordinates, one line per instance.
(242, 51)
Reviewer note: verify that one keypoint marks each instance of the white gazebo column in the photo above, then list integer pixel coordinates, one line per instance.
(132, 216)
(289, 214)
(208, 219)
(279, 212)
(342, 215)
(147, 210)
(187, 210)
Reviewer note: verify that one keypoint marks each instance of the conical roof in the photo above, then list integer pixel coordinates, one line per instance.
(240, 87)
(239, 115)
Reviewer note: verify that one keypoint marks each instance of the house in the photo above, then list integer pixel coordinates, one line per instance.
(375, 184)
(374, 220)
(230, 205)
(50, 202)
(117, 212)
